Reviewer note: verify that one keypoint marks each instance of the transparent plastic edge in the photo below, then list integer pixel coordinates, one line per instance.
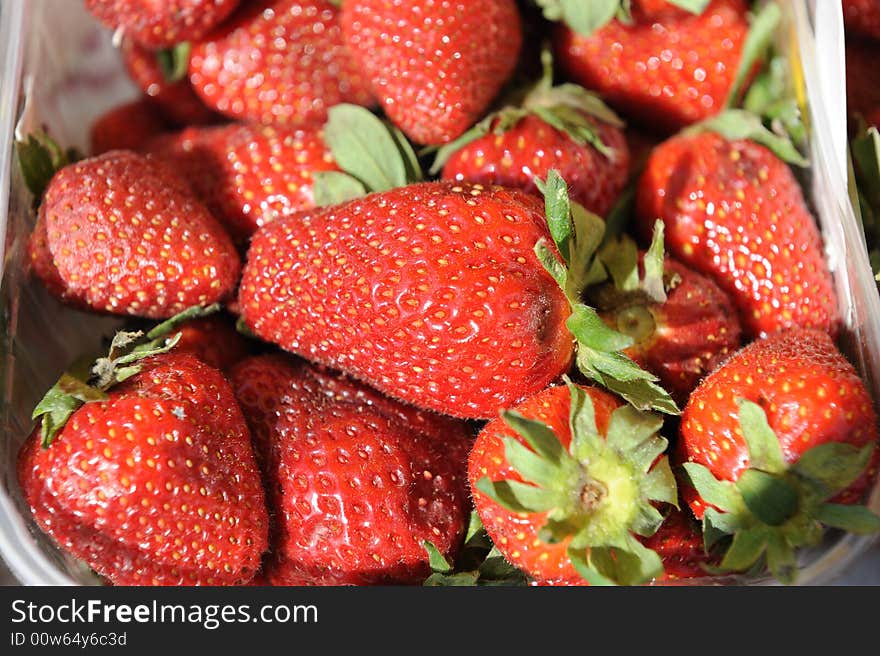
(19, 551)
(826, 96)
(828, 155)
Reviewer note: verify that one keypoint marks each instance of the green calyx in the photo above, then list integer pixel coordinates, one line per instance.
(587, 17)
(174, 62)
(373, 155)
(479, 563)
(566, 107)
(39, 158)
(88, 382)
(775, 508)
(627, 299)
(578, 235)
(599, 494)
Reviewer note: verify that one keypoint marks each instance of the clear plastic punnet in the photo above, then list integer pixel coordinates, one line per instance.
(58, 69)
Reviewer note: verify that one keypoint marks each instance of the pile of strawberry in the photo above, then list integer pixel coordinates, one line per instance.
(426, 315)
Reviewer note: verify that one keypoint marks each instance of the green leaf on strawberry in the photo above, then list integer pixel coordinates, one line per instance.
(578, 235)
(587, 17)
(174, 61)
(89, 382)
(373, 155)
(479, 563)
(39, 158)
(775, 508)
(567, 107)
(598, 494)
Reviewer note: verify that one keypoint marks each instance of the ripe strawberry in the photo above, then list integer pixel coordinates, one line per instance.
(174, 98)
(213, 340)
(122, 235)
(564, 128)
(162, 24)
(356, 482)
(734, 211)
(153, 482)
(280, 62)
(436, 66)
(566, 481)
(248, 175)
(125, 127)
(862, 17)
(770, 436)
(679, 543)
(431, 293)
(668, 68)
(682, 328)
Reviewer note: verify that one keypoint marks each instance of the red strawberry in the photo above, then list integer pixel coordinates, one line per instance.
(432, 293)
(562, 128)
(125, 237)
(435, 66)
(278, 62)
(248, 175)
(563, 491)
(734, 211)
(769, 437)
(125, 127)
(681, 335)
(862, 17)
(679, 543)
(174, 98)
(213, 340)
(162, 24)
(356, 482)
(156, 484)
(667, 69)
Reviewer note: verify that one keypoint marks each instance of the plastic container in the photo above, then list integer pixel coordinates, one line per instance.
(59, 70)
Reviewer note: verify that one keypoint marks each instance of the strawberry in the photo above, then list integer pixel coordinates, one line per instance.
(667, 67)
(566, 481)
(248, 175)
(168, 89)
(147, 472)
(734, 211)
(443, 295)
(563, 128)
(279, 62)
(119, 234)
(125, 127)
(429, 292)
(161, 24)
(679, 543)
(356, 482)
(683, 325)
(768, 438)
(436, 66)
(862, 17)
(213, 340)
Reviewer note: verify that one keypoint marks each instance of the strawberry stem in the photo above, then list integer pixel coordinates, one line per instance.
(89, 383)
